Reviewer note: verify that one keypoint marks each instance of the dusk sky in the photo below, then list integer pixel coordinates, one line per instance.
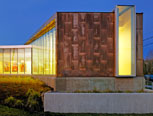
(19, 19)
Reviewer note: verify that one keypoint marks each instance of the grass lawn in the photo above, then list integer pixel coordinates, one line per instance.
(6, 111)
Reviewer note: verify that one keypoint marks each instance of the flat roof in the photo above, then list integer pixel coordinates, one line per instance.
(16, 46)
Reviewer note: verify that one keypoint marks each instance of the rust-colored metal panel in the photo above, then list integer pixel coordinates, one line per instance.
(85, 44)
(139, 44)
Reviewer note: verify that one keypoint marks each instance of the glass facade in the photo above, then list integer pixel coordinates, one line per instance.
(44, 54)
(15, 60)
(125, 41)
(21, 62)
(28, 61)
(1, 61)
(7, 61)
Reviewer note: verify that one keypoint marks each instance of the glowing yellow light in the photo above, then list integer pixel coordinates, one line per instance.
(125, 43)
(124, 51)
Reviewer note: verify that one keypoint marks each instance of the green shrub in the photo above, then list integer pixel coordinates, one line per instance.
(29, 92)
(17, 86)
(33, 94)
(34, 102)
(77, 91)
(19, 104)
(140, 91)
(95, 90)
(33, 105)
(10, 101)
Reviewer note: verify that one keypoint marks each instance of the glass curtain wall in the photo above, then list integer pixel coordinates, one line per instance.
(125, 41)
(28, 61)
(1, 61)
(44, 54)
(41, 56)
(7, 61)
(35, 59)
(15, 61)
(21, 63)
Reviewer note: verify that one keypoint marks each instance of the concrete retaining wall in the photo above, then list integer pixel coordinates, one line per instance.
(99, 102)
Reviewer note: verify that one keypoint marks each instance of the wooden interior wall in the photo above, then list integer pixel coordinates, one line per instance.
(85, 44)
(139, 44)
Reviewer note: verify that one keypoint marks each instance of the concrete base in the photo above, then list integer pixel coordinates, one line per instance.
(72, 84)
(121, 103)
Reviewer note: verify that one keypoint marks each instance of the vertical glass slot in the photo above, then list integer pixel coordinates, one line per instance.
(125, 41)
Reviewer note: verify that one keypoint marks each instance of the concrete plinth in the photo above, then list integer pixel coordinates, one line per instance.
(72, 84)
(121, 103)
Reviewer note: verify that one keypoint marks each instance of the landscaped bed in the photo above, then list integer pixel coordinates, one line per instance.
(23, 92)
(17, 86)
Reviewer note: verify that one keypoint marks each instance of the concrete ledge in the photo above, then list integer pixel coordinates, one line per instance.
(121, 103)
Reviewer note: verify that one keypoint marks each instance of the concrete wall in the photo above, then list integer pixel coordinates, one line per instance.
(101, 84)
(99, 102)
(50, 81)
(72, 84)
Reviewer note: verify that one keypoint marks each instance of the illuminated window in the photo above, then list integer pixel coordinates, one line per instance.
(1, 61)
(44, 54)
(51, 61)
(14, 61)
(35, 59)
(54, 53)
(7, 61)
(27, 60)
(125, 41)
(41, 68)
(21, 63)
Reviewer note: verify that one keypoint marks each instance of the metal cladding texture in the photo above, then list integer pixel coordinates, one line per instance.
(139, 44)
(85, 44)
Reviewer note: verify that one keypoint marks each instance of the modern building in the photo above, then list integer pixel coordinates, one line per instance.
(83, 49)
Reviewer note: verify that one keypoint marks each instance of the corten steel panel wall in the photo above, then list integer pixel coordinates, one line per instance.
(139, 44)
(85, 44)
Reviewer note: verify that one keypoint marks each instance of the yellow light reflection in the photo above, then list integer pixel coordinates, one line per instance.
(125, 44)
